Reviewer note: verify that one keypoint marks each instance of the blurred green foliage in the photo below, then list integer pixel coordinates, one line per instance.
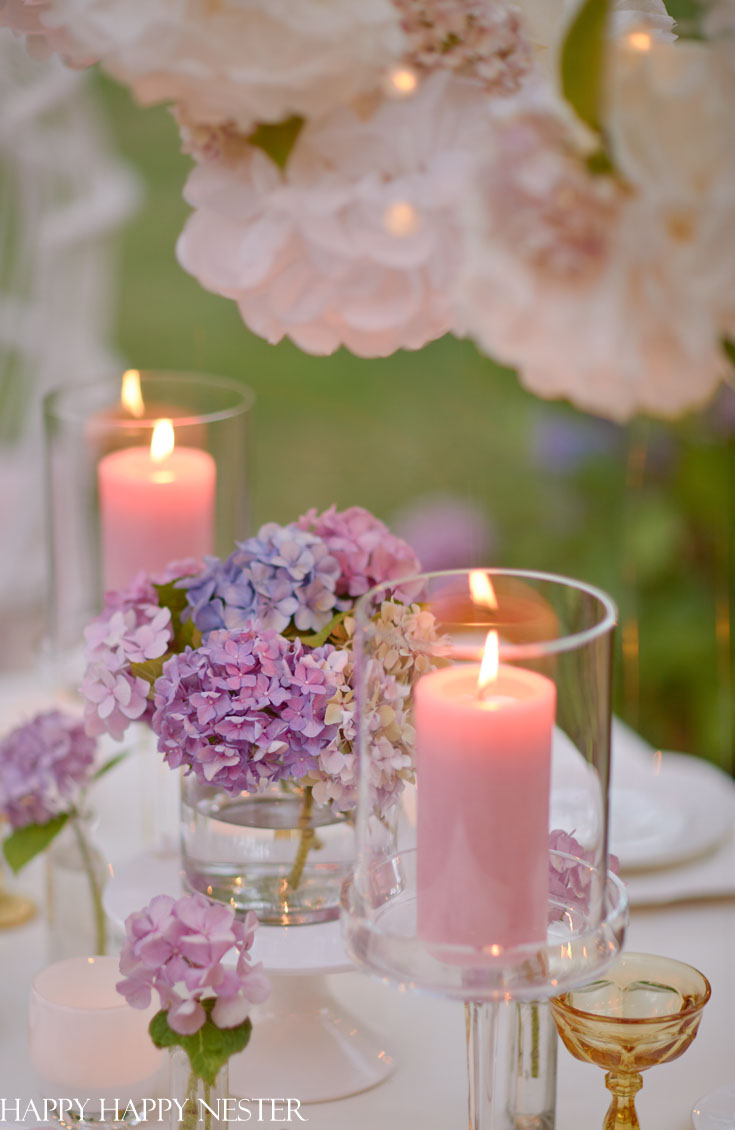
(646, 512)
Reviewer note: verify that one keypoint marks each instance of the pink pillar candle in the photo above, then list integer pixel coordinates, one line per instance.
(483, 770)
(154, 511)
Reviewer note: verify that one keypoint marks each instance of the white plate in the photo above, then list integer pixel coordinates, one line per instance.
(669, 811)
(282, 949)
(716, 1111)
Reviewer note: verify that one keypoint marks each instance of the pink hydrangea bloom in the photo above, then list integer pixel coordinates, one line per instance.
(176, 947)
(569, 873)
(131, 628)
(367, 552)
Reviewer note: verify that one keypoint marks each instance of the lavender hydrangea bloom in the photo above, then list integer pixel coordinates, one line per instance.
(282, 575)
(44, 765)
(367, 552)
(176, 947)
(246, 708)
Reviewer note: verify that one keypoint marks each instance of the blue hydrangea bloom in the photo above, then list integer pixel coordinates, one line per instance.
(283, 575)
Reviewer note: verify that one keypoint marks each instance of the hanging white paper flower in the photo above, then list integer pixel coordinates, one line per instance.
(357, 243)
(234, 60)
(27, 18)
(613, 292)
(480, 39)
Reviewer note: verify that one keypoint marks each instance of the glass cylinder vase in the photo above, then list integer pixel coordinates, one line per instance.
(277, 852)
(496, 889)
(139, 472)
(76, 873)
(196, 1104)
(532, 1067)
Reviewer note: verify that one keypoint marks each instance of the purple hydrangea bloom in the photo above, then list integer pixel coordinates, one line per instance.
(176, 947)
(367, 552)
(283, 575)
(246, 708)
(44, 765)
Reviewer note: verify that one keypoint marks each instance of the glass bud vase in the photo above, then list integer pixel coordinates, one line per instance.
(532, 1083)
(195, 1104)
(277, 852)
(75, 877)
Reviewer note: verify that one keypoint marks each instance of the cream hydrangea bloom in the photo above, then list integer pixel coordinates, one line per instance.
(235, 60)
(614, 293)
(357, 244)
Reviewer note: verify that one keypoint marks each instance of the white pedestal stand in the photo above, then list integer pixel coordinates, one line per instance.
(305, 1044)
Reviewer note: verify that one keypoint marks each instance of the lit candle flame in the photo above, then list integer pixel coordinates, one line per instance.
(640, 40)
(490, 662)
(162, 440)
(131, 397)
(481, 588)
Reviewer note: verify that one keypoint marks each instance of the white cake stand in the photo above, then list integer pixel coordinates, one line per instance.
(305, 1043)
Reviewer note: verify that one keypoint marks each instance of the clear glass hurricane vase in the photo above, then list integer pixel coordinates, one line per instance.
(76, 873)
(495, 890)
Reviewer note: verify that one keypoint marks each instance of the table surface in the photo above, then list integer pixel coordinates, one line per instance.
(425, 1034)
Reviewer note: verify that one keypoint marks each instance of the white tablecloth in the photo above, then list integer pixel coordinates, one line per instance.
(426, 1035)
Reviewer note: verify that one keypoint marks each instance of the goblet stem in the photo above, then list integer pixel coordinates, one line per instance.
(624, 1088)
(487, 1045)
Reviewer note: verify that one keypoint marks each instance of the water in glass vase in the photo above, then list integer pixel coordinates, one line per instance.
(277, 852)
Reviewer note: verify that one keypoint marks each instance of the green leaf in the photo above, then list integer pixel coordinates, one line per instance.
(583, 61)
(729, 348)
(150, 669)
(172, 598)
(600, 163)
(186, 634)
(209, 1048)
(321, 637)
(277, 139)
(110, 765)
(24, 844)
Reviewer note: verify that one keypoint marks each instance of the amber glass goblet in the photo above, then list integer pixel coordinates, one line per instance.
(645, 1011)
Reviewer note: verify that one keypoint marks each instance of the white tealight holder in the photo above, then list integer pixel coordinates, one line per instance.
(86, 1041)
(305, 1042)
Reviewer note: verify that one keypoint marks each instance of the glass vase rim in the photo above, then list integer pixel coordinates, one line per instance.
(244, 394)
(538, 649)
(692, 1009)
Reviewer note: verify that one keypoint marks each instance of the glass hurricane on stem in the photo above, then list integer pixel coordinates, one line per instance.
(496, 890)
